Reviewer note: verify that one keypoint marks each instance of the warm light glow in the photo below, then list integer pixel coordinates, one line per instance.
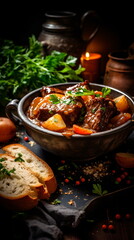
(87, 54)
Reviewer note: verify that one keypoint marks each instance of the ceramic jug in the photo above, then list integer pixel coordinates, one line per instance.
(62, 31)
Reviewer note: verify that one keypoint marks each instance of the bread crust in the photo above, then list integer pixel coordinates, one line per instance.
(21, 204)
(49, 180)
(45, 185)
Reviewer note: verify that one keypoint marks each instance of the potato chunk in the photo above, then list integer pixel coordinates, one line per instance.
(54, 123)
(121, 103)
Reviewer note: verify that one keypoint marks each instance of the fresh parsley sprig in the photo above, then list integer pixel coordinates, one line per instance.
(23, 69)
(97, 189)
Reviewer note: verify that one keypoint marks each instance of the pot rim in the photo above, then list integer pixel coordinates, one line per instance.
(25, 120)
(115, 56)
(60, 14)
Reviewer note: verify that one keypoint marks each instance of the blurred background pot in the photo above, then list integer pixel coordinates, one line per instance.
(119, 72)
(62, 31)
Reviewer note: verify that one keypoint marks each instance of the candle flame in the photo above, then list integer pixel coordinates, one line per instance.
(87, 54)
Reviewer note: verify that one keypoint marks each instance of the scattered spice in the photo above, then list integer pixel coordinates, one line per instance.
(97, 171)
(71, 202)
(31, 143)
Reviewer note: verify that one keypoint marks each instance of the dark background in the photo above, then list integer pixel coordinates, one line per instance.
(20, 19)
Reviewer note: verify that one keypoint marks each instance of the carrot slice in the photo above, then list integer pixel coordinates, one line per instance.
(80, 130)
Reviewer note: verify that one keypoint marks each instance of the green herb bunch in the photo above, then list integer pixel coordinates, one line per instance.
(25, 69)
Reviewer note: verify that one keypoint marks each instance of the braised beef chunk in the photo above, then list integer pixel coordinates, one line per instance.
(76, 87)
(48, 90)
(70, 110)
(99, 112)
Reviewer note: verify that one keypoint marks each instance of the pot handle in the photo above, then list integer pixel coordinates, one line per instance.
(12, 113)
(95, 19)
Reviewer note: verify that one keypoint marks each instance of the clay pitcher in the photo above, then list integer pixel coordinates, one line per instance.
(62, 31)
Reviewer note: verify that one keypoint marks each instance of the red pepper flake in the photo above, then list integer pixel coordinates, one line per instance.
(26, 138)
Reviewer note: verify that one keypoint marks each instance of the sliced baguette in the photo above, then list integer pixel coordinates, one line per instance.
(38, 166)
(19, 189)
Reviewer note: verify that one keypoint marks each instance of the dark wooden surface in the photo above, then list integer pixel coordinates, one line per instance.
(99, 209)
(105, 214)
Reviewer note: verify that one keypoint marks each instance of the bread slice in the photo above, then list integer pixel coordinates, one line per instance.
(38, 166)
(19, 188)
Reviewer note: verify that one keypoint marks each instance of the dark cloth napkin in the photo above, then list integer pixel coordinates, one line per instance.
(44, 222)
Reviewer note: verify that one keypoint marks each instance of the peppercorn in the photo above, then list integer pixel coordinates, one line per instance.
(104, 226)
(82, 179)
(128, 216)
(118, 179)
(62, 161)
(118, 216)
(111, 227)
(77, 182)
(66, 180)
(26, 138)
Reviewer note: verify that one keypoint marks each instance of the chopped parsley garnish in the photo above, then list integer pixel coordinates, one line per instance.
(55, 100)
(85, 92)
(93, 110)
(3, 171)
(81, 92)
(103, 108)
(105, 92)
(19, 158)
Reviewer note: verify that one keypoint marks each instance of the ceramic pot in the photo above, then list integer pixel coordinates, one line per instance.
(119, 72)
(62, 31)
(78, 147)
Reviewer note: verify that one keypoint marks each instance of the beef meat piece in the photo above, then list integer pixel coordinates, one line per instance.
(48, 90)
(75, 88)
(99, 112)
(69, 112)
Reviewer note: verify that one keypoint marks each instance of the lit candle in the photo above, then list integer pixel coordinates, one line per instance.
(92, 63)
